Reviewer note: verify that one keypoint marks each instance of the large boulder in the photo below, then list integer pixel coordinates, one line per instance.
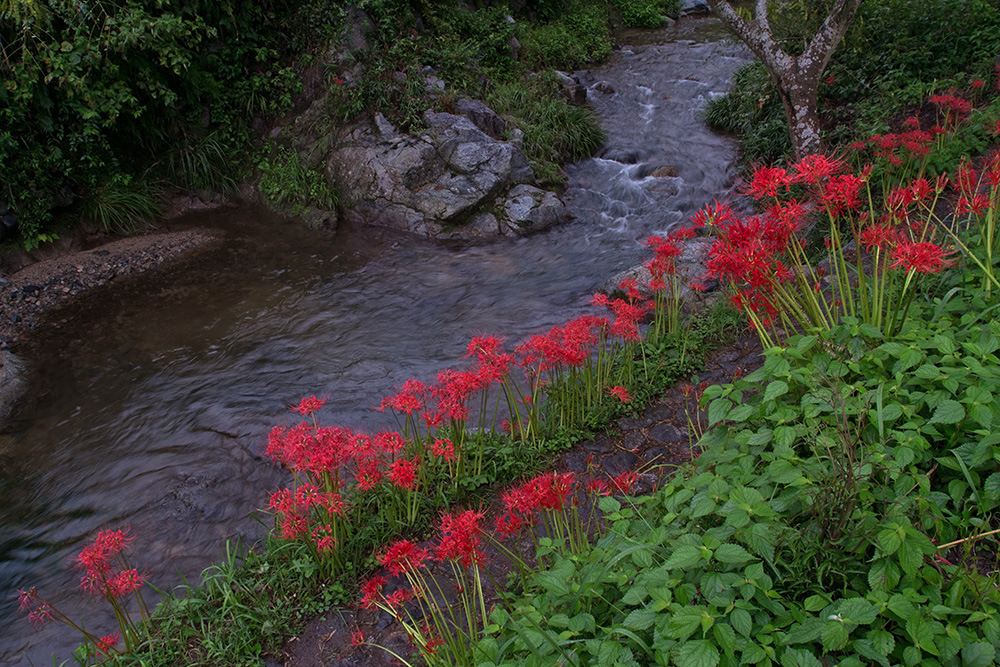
(444, 182)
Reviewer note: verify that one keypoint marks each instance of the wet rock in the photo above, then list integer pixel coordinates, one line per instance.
(482, 117)
(572, 89)
(666, 171)
(13, 382)
(690, 7)
(529, 209)
(604, 87)
(667, 433)
(435, 183)
(633, 440)
(619, 463)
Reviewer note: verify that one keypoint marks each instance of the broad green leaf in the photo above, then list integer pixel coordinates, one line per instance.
(834, 636)
(732, 553)
(741, 621)
(797, 657)
(775, 389)
(858, 610)
(948, 412)
(725, 637)
(718, 409)
(639, 619)
(979, 654)
(685, 621)
(816, 603)
(740, 413)
(582, 623)
(807, 631)
(683, 557)
(882, 641)
(866, 649)
(698, 653)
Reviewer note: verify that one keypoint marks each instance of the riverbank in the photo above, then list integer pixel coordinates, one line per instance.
(28, 292)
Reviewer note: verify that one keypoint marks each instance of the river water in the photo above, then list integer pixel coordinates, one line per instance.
(154, 404)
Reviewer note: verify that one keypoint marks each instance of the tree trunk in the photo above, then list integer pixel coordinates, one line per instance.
(796, 77)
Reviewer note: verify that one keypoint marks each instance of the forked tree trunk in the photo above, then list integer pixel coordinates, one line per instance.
(796, 77)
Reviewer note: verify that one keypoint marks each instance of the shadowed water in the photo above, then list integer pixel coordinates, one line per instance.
(154, 405)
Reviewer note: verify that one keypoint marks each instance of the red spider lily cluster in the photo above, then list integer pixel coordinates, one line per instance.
(763, 258)
(106, 573)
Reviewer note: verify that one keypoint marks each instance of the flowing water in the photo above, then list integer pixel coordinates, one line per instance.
(154, 404)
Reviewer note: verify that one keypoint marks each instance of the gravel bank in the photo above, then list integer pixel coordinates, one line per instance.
(25, 296)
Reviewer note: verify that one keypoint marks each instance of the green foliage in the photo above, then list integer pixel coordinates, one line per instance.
(882, 67)
(123, 206)
(806, 531)
(645, 13)
(285, 180)
(579, 35)
(244, 606)
(554, 130)
(752, 110)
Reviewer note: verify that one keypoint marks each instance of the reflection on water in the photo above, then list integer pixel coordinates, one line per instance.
(154, 405)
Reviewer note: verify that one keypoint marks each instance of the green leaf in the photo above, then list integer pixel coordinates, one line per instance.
(866, 649)
(718, 409)
(740, 413)
(948, 412)
(582, 623)
(640, 619)
(725, 637)
(741, 621)
(979, 654)
(684, 557)
(698, 653)
(807, 631)
(858, 610)
(775, 389)
(732, 553)
(797, 657)
(882, 641)
(834, 636)
(685, 621)
(816, 602)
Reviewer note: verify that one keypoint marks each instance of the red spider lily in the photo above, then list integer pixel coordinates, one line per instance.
(877, 236)
(716, 214)
(409, 400)
(840, 193)
(369, 474)
(97, 556)
(390, 443)
(767, 181)
(509, 524)
(624, 482)
(979, 204)
(431, 638)
(461, 536)
(519, 501)
(628, 314)
(445, 449)
(372, 591)
(124, 583)
(403, 556)
(954, 107)
(357, 638)
(452, 391)
(569, 345)
(308, 406)
(492, 363)
(404, 474)
(108, 642)
(921, 190)
(977, 84)
(815, 169)
(922, 257)
(621, 393)
(323, 538)
(552, 490)
(399, 597)
(598, 487)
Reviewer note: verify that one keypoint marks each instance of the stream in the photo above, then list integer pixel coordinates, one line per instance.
(155, 402)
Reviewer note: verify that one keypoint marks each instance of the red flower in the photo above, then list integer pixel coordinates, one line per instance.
(371, 591)
(923, 257)
(460, 538)
(404, 474)
(390, 443)
(979, 204)
(977, 84)
(369, 475)
(409, 400)
(308, 406)
(840, 193)
(815, 169)
(598, 487)
(767, 181)
(509, 524)
(621, 394)
(357, 638)
(403, 556)
(877, 236)
(107, 642)
(124, 583)
(444, 448)
(624, 482)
